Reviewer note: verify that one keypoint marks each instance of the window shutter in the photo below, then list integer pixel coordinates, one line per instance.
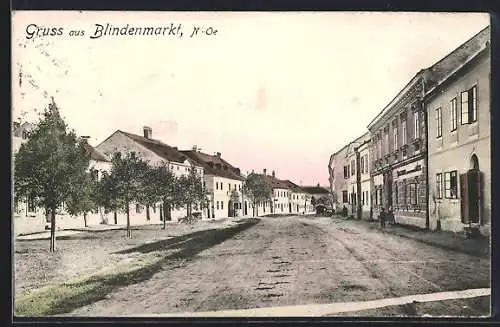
(464, 198)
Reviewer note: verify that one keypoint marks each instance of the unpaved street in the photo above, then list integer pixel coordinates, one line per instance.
(292, 261)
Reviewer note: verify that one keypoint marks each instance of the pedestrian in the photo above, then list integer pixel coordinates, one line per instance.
(390, 216)
(382, 218)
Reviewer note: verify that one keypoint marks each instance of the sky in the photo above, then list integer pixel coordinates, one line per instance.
(281, 91)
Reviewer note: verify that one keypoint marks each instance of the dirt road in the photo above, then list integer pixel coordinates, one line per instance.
(297, 260)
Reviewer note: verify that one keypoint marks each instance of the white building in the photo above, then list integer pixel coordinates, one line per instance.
(154, 152)
(223, 182)
(28, 218)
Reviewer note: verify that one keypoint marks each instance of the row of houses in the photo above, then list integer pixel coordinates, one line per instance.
(223, 181)
(426, 156)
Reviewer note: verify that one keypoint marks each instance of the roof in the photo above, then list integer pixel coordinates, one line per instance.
(274, 182)
(213, 165)
(294, 187)
(457, 59)
(94, 154)
(161, 149)
(315, 190)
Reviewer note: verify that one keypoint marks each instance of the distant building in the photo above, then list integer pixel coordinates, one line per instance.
(458, 109)
(154, 152)
(30, 218)
(338, 176)
(315, 194)
(223, 181)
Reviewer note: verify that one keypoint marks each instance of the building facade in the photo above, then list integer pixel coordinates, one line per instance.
(398, 171)
(459, 109)
(339, 173)
(223, 182)
(155, 153)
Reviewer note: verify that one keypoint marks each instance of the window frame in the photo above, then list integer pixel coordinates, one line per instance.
(453, 114)
(439, 122)
(448, 185)
(439, 185)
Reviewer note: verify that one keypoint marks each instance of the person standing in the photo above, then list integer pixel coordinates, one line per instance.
(382, 218)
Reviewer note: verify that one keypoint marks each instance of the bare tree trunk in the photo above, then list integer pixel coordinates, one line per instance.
(164, 210)
(148, 218)
(129, 232)
(52, 230)
(85, 218)
(115, 217)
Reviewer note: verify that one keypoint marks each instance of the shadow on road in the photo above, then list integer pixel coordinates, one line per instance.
(97, 288)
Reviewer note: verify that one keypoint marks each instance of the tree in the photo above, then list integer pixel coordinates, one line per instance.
(160, 185)
(107, 196)
(189, 191)
(125, 182)
(83, 196)
(148, 195)
(49, 165)
(256, 188)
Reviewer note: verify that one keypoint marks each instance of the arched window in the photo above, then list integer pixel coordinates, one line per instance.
(474, 163)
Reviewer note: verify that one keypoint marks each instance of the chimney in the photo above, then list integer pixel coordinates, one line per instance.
(85, 139)
(318, 184)
(148, 132)
(274, 174)
(218, 154)
(265, 171)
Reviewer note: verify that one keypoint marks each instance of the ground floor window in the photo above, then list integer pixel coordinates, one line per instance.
(217, 205)
(31, 205)
(450, 184)
(412, 193)
(439, 186)
(345, 199)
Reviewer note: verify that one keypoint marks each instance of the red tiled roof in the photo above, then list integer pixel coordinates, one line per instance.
(214, 165)
(163, 150)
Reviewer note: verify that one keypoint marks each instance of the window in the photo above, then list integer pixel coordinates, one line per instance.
(137, 208)
(439, 186)
(31, 205)
(453, 114)
(229, 186)
(346, 173)
(450, 184)
(344, 197)
(416, 127)
(403, 132)
(387, 149)
(239, 187)
(363, 198)
(366, 163)
(395, 138)
(362, 165)
(216, 185)
(411, 193)
(217, 205)
(439, 123)
(177, 167)
(222, 205)
(353, 168)
(172, 167)
(469, 105)
(25, 135)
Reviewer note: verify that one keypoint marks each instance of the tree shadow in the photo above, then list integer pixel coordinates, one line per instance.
(96, 288)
